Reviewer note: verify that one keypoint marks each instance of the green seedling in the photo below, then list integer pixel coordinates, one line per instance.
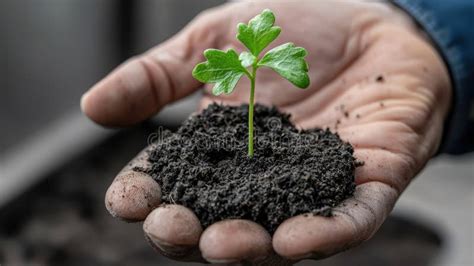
(225, 68)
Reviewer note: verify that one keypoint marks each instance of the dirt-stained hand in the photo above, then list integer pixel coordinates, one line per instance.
(366, 58)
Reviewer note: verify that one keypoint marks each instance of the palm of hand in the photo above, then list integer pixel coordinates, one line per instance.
(373, 80)
(370, 85)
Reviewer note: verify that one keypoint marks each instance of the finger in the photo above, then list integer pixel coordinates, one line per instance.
(384, 166)
(174, 231)
(132, 195)
(391, 161)
(235, 241)
(354, 221)
(144, 84)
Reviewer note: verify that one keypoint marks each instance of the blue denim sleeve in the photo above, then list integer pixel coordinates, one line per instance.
(450, 24)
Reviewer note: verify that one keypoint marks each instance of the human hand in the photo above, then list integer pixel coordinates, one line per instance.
(374, 79)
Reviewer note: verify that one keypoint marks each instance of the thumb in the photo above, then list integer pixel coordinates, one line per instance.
(144, 84)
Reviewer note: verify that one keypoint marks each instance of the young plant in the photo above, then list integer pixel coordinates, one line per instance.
(225, 68)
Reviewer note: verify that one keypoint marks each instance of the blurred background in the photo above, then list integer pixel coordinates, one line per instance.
(55, 165)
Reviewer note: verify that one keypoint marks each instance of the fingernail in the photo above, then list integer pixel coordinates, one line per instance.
(224, 261)
(304, 256)
(235, 261)
(168, 249)
(310, 255)
(83, 101)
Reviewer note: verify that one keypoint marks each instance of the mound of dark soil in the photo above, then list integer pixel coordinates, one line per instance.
(204, 166)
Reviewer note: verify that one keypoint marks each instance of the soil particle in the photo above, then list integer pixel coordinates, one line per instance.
(343, 110)
(204, 166)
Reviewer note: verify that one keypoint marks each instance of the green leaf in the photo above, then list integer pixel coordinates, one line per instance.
(222, 68)
(259, 32)
(288, 61)
(247, 59)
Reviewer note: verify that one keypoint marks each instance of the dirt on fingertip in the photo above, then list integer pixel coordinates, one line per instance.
(204, 166)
